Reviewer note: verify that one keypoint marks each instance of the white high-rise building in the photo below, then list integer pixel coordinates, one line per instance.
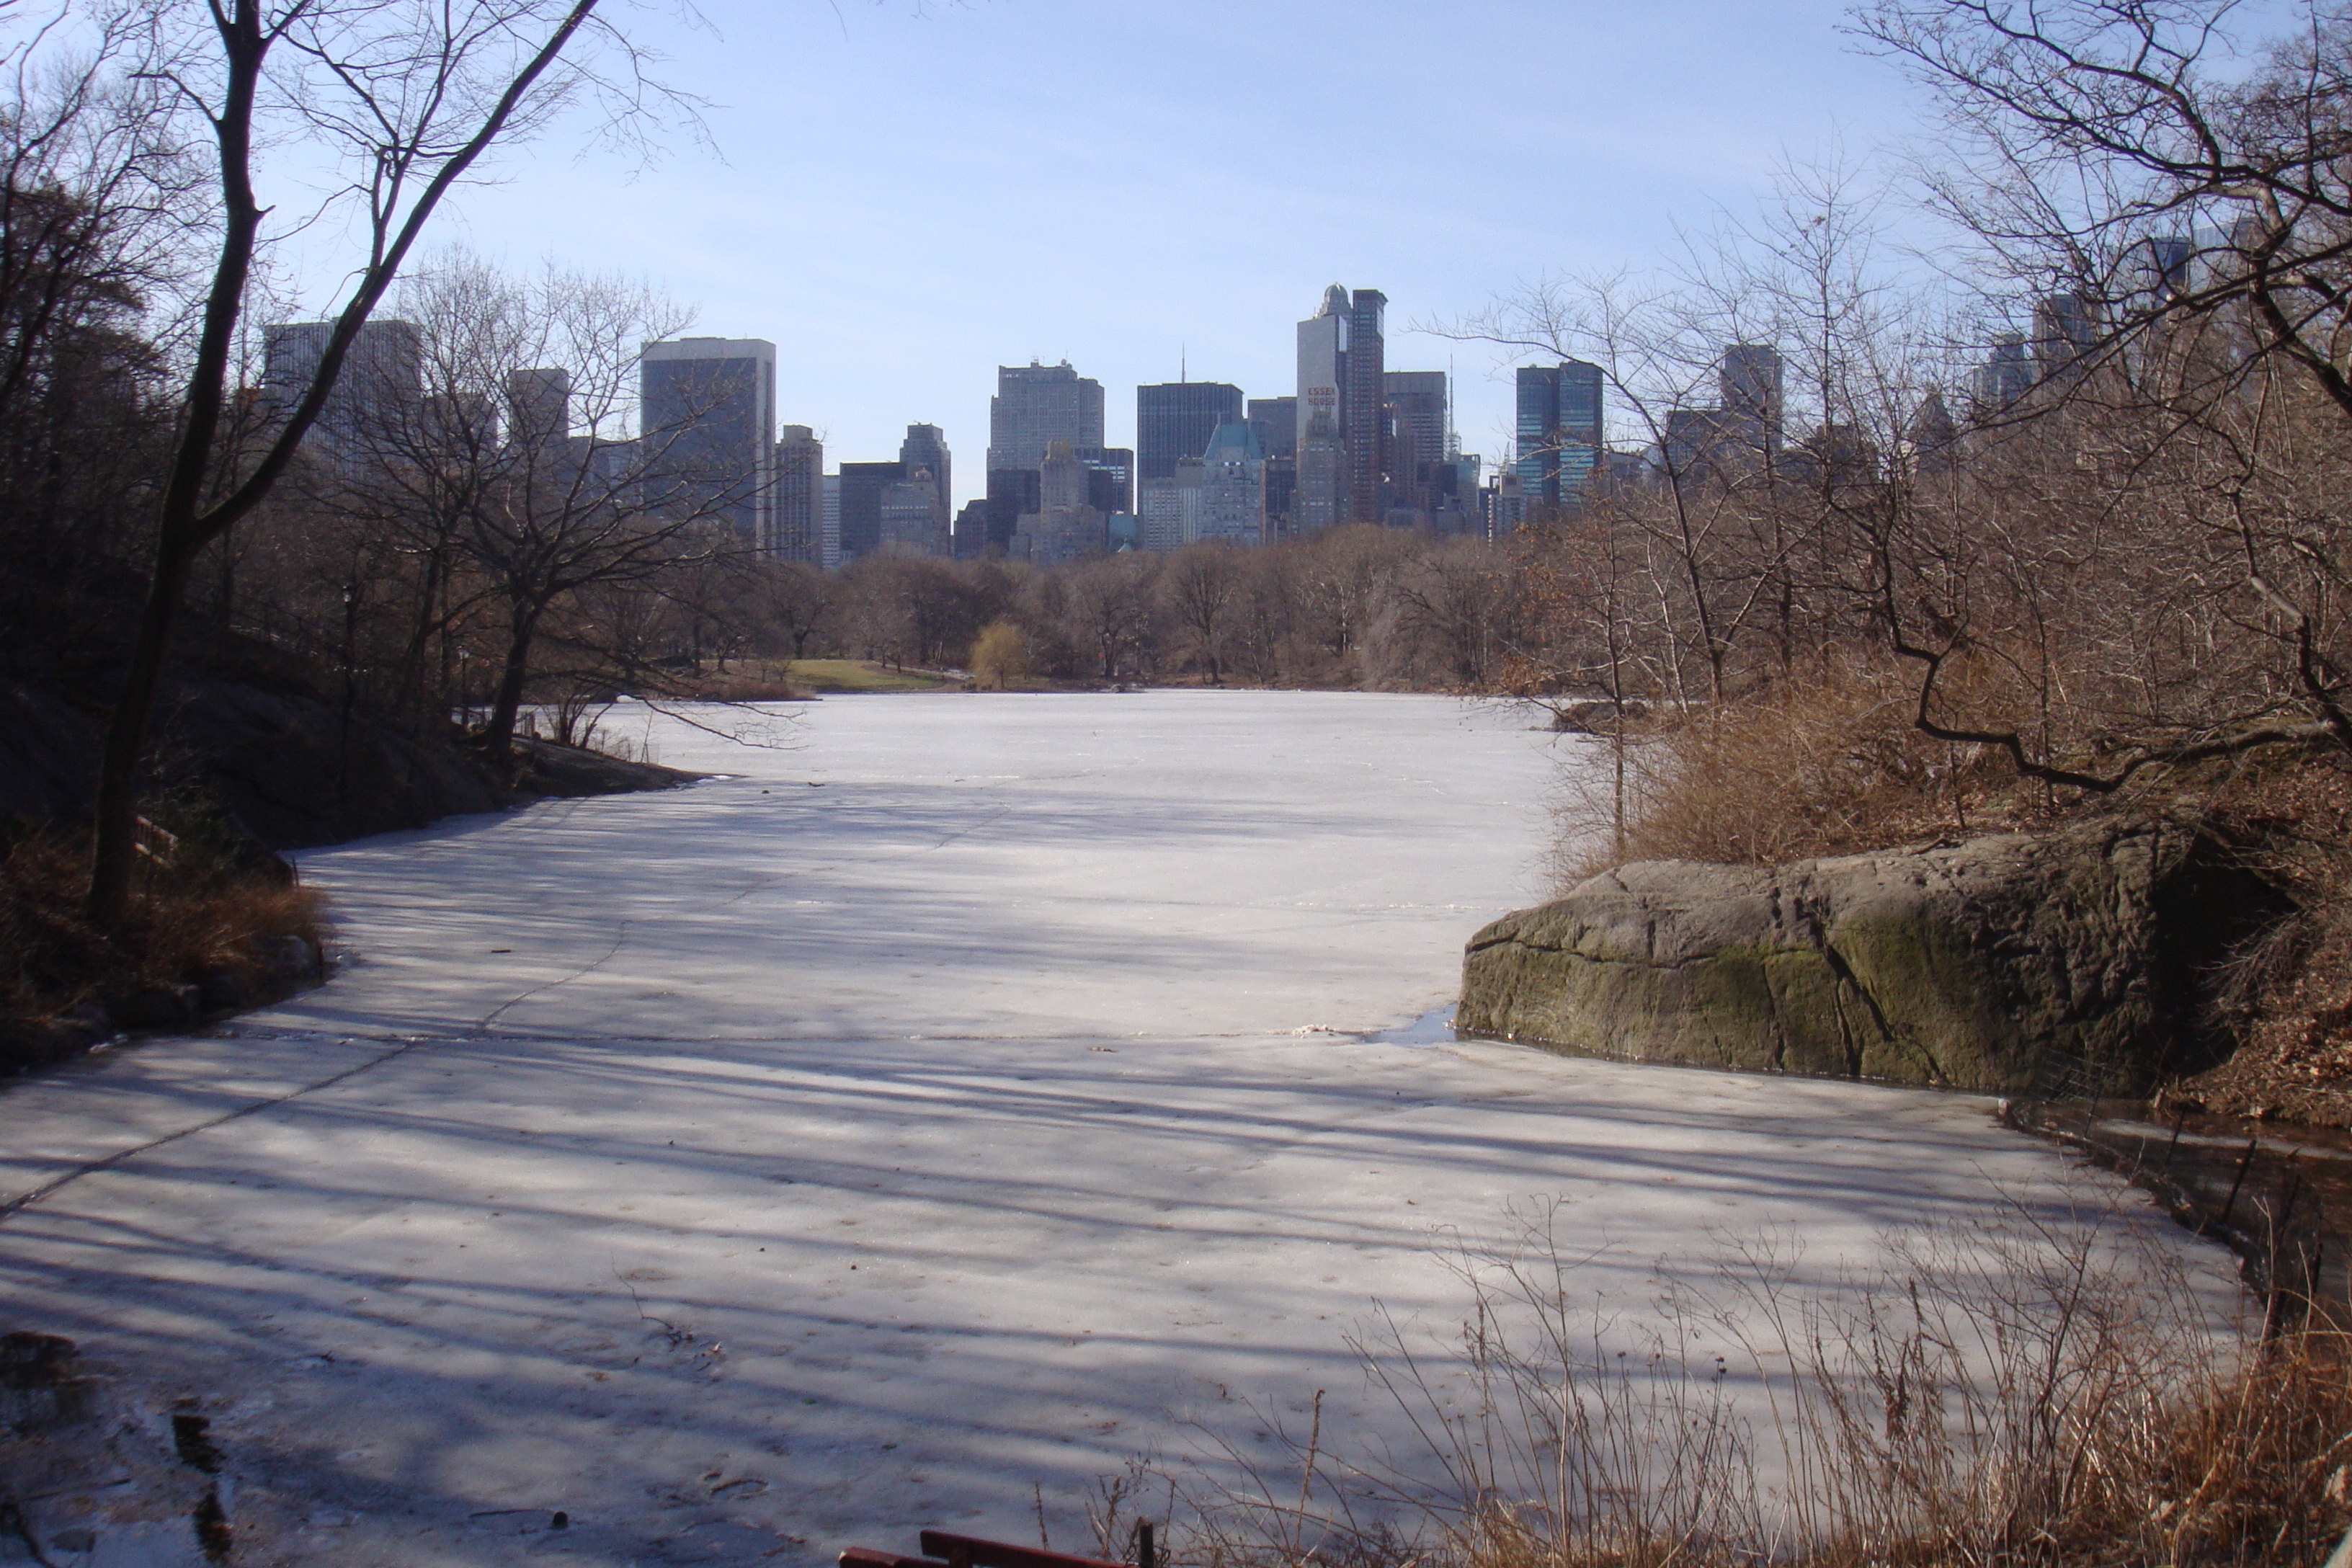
(1232, 490)
(1036, 405)
(1320, 500)
(1160, 513)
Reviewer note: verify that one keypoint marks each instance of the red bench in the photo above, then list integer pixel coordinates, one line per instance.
(941, 1549)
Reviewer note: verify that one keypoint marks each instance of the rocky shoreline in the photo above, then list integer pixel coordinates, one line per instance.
(1973, 964)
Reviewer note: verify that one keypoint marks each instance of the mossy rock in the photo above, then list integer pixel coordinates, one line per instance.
(1957, 965)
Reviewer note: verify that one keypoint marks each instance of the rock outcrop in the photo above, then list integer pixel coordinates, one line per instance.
(1959, 964)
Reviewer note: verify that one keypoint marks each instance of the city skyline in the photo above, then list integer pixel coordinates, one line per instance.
(887, 311)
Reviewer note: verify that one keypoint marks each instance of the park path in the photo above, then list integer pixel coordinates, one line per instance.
(960, 1095)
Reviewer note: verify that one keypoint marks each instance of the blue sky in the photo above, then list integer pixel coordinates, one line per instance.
(903, 197)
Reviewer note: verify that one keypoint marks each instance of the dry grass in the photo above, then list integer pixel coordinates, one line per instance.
(2041, 1391)
(203, 905)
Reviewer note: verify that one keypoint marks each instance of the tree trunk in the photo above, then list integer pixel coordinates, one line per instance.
(499, 737)
(114, 845)
(184, 525)
(179, 533)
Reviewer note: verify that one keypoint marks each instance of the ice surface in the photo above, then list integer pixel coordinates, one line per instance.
(1051, 1019)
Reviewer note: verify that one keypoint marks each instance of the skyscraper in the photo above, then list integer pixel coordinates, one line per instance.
(1012, 495)
(924, 454)
(972, 531)
(1064, 528)
(1559, 434)
(926, 446)
(1321, 498)
(829, 548)
(1420, 433)
(1342, 415)
(1418, 404)
(2007, 375)
(798, 510)
(539, 407)
(1110, 482)
(1362, 416)
(2064, 328)
(1036, 405)
(1231, 504)
(862, 485)
(381, 385)
(1276, 419)
(1751, 384)
(706, 415)
(1175, 419)
(908, 515)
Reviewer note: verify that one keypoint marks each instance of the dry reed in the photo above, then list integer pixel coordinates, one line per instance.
(2045, 1390)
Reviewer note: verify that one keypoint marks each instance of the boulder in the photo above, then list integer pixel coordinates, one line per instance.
(1961, 964)
(156, 1006)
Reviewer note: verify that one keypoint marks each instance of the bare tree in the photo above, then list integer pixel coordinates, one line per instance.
(517, 456)
(1457, 599)
(1106, 612)
(2185, 226)
(799, 601)
(1201, 585)
(408, 97)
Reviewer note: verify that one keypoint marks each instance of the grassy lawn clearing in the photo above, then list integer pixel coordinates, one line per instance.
(850, 675)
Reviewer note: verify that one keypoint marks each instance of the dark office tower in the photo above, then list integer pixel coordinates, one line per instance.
(1696, 444)
(2007, 376)
(1420, 437)
(1276, 421)
(1036, 405)
(1011, 494)
(2168, 260)
(1111, 478)
(706, 414)
(1281, 497)
(1418, 401)
(970, 535)
(539, 408)
(380, 390)
(1175, 419)
(799, 508)
(863, 486)
(1363, 420)
(926, 449)
(2064, 330)
(1933, 435)
(1560, 435)
(1753, 400)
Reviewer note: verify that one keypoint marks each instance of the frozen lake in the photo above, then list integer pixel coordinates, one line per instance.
(963, 1094)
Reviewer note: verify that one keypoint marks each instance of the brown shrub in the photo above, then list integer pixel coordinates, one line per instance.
(1831, 765)
(204, 904)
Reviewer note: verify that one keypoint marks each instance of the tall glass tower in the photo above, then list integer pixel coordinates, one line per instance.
(707, 421)
(1175, 419)
(1559, 431)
